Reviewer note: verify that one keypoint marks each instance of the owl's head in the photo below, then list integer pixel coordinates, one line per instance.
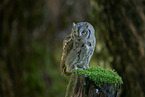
(82, 30)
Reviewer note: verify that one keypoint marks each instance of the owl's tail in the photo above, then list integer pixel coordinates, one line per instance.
(63, 71)
(63, 68)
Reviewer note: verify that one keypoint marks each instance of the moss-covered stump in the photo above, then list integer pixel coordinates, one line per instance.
(94, 82)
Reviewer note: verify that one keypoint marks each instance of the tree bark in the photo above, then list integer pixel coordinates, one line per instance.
(81, 86)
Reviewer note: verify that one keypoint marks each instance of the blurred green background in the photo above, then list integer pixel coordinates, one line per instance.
(31, 35)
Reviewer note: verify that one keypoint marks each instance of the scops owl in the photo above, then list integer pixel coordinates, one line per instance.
(78, 48)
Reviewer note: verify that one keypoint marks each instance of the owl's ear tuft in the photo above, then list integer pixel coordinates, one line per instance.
(74, 24)
(86, 25)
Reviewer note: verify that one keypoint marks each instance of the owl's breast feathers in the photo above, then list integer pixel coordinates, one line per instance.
(76, 53)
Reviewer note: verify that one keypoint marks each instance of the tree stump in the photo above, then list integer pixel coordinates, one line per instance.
(94, 82)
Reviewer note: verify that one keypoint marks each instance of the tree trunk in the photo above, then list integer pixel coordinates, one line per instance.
(20, 22)
(81, 86)
(122, 27)
(85, 85)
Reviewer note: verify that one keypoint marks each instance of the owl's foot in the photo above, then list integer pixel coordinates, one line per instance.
(80, 67)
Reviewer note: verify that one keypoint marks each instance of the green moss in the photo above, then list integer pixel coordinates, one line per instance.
(101, 76)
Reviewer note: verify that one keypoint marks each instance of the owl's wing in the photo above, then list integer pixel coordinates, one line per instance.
(67, 46)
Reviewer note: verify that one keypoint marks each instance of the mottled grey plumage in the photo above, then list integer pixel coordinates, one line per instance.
(78, 48)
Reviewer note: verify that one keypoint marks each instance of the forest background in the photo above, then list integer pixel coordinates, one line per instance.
(31, 35)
